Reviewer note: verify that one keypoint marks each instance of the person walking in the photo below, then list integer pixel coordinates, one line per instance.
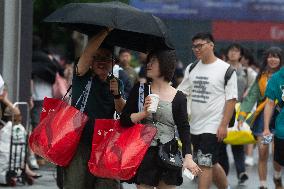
(272, 62)
(212, 106)
(171, 114)
(234, 54)
(275, 94)
(105, 97)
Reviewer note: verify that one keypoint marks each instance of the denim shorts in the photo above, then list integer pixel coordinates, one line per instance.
(258, 126)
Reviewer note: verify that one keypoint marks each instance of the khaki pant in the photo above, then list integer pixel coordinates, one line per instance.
(77, 175)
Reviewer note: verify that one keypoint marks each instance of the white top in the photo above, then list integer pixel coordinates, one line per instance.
(251, 76)
(205, 84)
(41, 89)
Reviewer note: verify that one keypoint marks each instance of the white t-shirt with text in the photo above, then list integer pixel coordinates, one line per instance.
(206, 85)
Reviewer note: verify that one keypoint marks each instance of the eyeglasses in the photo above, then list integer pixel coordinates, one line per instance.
(198, 46)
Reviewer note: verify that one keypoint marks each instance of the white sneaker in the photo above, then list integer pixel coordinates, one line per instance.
(249, 161)
(33, 163)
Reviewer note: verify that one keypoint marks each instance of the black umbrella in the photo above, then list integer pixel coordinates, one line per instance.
(133, 28)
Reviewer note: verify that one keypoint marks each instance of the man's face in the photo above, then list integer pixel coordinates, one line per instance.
(234, 54)
(125, 58)
(201, 48)
(102, 63)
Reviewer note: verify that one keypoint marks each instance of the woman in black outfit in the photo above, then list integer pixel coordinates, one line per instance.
(171, 113)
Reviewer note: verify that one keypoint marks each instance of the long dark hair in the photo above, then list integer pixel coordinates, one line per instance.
(274, 51)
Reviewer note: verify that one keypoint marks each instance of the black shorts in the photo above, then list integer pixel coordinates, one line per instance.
(205, 149)
(279, 150)
(151, 173)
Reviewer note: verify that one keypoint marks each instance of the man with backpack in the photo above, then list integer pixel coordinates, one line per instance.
(234, 54)
(211, 85)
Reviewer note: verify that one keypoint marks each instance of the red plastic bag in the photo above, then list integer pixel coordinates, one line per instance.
(57, 135)
(117, 152)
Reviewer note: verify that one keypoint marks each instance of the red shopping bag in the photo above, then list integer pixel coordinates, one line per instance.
(57, 135)
(116, 151)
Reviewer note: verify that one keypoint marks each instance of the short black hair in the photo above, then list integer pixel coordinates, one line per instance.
(204, 36)
(247, 54)
(167, 62)
(121, 51)
(235, 46)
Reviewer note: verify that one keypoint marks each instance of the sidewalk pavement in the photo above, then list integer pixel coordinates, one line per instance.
(48, 179)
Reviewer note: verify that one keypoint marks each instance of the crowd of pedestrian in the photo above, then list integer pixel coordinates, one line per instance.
(197, 104)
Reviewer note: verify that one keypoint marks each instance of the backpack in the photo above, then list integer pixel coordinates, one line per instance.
(227, 76)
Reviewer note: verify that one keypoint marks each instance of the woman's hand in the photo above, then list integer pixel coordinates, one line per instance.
(266, 132)
(189, 164)
(147, 104)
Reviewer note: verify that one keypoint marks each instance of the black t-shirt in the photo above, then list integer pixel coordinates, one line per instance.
(100, 103)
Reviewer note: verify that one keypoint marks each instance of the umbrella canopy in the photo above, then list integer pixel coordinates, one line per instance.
(133, 28)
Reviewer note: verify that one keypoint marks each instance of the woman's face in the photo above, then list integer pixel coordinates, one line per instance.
(273, 61)
(153, 70)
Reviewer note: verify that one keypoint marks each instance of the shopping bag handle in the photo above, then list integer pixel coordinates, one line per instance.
(68, 90)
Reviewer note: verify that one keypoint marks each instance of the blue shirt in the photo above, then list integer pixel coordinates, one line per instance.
(274, 91)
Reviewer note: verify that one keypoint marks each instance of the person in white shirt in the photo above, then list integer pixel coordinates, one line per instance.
(212, 106)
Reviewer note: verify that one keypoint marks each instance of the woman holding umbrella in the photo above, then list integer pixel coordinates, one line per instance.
(171, 113)
(105, 97)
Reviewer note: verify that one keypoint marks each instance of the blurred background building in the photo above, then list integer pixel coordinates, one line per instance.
(256, 24)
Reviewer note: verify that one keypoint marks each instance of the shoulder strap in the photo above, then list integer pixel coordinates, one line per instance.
(228, 74)
(193, 65)
(141, 97)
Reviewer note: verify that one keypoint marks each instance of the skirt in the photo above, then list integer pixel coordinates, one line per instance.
(150, 171)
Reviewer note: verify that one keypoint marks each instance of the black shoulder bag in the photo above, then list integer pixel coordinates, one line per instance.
(169, 154)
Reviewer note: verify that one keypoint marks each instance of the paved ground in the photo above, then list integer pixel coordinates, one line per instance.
(48, 180)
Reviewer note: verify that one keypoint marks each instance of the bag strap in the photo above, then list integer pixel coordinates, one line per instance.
(228, 74)
(141, 97)
(84, 96)
(68, 90)
(193, 65)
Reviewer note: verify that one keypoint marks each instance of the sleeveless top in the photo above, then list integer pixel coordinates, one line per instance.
(163, 121)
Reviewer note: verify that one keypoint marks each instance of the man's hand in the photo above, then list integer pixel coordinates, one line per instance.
(222, 133)
(114, 86)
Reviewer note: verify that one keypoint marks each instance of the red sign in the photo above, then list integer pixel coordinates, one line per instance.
(248, 31)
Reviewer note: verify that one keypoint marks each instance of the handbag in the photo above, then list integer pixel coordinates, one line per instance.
(240, 137)
(117, 152)
(59, 131)
(169, 155)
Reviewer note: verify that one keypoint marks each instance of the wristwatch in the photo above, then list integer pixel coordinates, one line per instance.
(118, 96)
